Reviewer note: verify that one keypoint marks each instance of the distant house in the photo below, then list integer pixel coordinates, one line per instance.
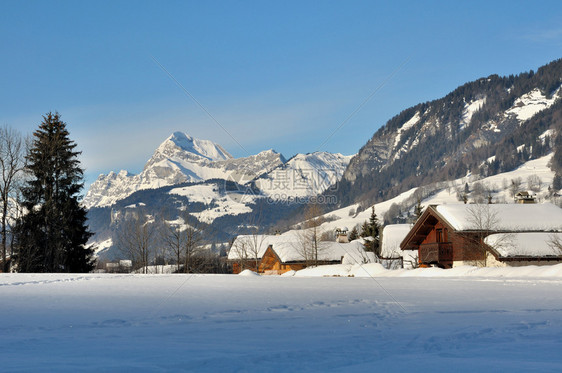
(281, 253)
(525, 197)
(486, 235)
(122, 266)
(341, 235)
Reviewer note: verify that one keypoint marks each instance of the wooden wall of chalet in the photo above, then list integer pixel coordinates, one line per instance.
(236, 268)
(239, 266)
(467, 248)
(432, 236)
(450, 245)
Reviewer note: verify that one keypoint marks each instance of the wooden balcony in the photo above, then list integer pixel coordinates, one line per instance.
(436, 252)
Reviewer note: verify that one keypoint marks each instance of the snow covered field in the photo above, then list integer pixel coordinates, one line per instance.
(489, 319)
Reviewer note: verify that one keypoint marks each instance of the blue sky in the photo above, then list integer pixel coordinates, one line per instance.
(281, 75)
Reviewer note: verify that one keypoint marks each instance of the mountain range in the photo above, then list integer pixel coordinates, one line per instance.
(184, 159)
(219, 191)
(482, 128)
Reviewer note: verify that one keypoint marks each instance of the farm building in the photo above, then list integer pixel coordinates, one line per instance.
(487, 235)
(392, 236)
(281, 253)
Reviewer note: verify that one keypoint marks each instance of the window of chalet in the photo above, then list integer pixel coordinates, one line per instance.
(439, 235)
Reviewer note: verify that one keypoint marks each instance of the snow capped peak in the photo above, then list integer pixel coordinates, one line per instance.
(267, 152)
(201, 148)
(124, 173)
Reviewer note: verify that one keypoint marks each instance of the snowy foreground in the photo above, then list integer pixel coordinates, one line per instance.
(419, 320)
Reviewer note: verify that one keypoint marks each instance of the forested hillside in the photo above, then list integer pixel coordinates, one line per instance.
(487, 126)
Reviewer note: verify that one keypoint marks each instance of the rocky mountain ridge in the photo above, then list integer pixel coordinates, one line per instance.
(184, 159)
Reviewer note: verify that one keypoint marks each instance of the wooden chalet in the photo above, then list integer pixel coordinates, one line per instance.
(453, 235)
(271, 263)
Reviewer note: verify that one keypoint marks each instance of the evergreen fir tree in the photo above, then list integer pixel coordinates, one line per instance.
(557, 182)
(52, 236)
(418, 210)
(372, 229)
(354, 234)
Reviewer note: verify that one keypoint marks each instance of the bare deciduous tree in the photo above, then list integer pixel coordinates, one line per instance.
(249, 247)
(534, 183)
(173, 238)
(309, 244)
(242, 252)
(192, 247)
(135, 238)
(12, 162)
(478, 192)
(255, 239)
(483, 220)
(555, 242)
(515, 186)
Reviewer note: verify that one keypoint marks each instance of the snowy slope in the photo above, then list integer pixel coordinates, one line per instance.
(218, 202)
(406, 126)
(470, 109)
(528, 105)
(446, 193)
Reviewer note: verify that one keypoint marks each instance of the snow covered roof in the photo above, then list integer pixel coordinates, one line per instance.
(327, 251)
(289, 248)
(504, 217)
(247, 246)
(392, 236)
(531, 244)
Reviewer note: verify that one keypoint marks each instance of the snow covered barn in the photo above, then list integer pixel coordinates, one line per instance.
(281, 253)
(392, 236)
(487, 235)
